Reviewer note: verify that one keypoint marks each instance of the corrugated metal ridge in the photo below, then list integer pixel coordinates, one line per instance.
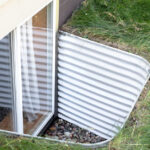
(98, 85)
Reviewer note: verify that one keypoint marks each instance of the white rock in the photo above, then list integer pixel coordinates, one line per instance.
(68, 134)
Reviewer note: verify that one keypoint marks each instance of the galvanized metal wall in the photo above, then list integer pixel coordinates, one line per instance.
(98, 86)
(66, 9)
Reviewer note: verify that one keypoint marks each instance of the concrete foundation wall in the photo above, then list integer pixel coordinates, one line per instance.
(66, 9)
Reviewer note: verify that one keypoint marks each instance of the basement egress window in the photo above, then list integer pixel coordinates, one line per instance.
(92, 89)
(36, 65)
(26, 71)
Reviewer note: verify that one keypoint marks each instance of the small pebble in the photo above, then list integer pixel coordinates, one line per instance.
(67, 134)
(60, 137)
(62, 127)
(52, 128)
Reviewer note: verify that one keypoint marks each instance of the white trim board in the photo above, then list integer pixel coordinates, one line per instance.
(15, 12)
(2, 2)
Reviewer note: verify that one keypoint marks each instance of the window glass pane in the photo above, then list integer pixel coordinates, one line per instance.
(36, 59)
(6, 96)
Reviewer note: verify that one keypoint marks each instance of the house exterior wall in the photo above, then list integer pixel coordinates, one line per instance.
(15, 12)
(66, 9)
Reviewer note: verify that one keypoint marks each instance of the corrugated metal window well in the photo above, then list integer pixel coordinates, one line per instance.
(90, 88)
(98, 85)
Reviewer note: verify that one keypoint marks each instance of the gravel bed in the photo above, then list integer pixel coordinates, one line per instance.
(3, 112)
(63, 130)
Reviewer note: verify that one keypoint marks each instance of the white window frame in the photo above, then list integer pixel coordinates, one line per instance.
(18, 105)
(17, 81)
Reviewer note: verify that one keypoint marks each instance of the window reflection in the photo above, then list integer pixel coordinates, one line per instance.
(6, 94)
(36, 51)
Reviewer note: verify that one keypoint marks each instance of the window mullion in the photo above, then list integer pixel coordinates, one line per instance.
(17, 81)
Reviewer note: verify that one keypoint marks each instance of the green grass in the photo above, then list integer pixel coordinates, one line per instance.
(20, 143)
(136, 133)
(125, 22)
